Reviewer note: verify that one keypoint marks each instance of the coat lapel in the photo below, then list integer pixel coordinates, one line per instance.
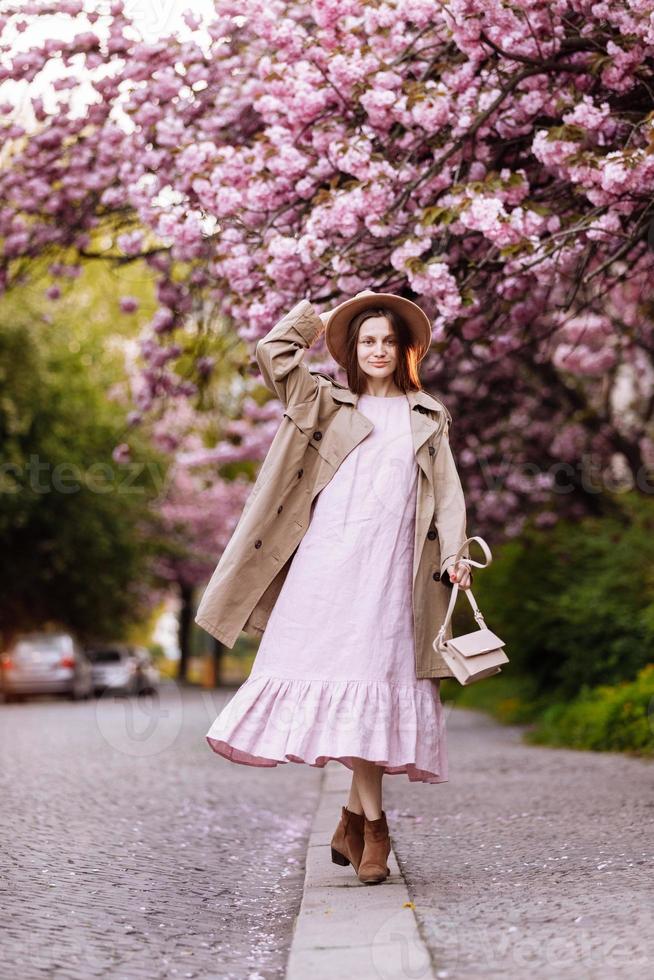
(428, 416)
(423, 423)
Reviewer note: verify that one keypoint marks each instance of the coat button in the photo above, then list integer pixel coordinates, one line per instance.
(299, 473)
(257, 544)
(431, 535)
(317, 435)
(279, 509)
(432, 450)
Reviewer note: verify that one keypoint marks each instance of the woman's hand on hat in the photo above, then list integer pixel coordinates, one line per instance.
(461, 574)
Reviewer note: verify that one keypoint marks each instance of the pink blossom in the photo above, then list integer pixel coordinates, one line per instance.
(435, 280)
(122, 453)
(128, 304)
(130, 243)
(315, 150)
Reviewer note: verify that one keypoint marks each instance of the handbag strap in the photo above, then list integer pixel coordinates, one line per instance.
(455, 587)
(470, 561)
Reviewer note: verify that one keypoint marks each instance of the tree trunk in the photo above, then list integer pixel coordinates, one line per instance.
(184, 635)
(217, 651)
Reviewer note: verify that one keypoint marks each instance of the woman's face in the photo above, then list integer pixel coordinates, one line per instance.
(377, 347)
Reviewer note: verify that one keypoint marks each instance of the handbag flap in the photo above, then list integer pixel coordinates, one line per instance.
(479, 641)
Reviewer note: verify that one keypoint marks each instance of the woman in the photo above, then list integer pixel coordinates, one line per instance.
(344, 595)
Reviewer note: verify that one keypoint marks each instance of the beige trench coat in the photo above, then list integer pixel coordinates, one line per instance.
(320, 426)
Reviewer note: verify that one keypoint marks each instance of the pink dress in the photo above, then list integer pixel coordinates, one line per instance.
(334, 675)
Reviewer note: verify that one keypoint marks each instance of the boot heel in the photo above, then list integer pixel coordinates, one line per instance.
(339, 858)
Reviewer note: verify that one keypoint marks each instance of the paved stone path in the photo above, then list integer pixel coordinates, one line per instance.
(131, 850)
(529, 861)
(346, 928)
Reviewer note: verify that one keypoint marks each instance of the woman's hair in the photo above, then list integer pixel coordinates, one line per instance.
(405, 374)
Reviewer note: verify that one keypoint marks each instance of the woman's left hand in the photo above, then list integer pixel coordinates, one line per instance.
(460, 573)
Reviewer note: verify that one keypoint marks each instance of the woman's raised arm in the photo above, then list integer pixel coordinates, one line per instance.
(280, 354)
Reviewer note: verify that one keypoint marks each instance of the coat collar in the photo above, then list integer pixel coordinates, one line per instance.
(342, 394)
(424, 425)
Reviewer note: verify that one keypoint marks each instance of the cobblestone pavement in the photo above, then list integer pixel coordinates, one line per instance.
(529, 861)
(130, 849)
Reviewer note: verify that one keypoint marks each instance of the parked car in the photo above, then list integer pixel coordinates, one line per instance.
(148, 673)
(122, 668)
(115, 668)
(45, 663)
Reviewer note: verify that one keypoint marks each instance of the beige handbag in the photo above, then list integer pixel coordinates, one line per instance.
(475, 655)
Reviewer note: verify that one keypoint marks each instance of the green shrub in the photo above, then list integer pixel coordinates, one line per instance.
(575, 604)
(609, 718)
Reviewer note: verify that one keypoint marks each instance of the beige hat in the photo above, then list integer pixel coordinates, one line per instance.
(339, 320)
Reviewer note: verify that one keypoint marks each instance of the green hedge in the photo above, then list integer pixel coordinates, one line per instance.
(611, 718)
(618, 718)
(575, 604)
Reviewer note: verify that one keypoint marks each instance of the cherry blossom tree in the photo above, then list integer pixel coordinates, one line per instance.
(199, 508)
(491, 160)
(201, 497)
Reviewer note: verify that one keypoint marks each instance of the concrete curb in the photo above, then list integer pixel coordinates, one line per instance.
(346, 928)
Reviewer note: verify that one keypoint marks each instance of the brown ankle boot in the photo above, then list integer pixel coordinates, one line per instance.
(376, 848)
(347, 842)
